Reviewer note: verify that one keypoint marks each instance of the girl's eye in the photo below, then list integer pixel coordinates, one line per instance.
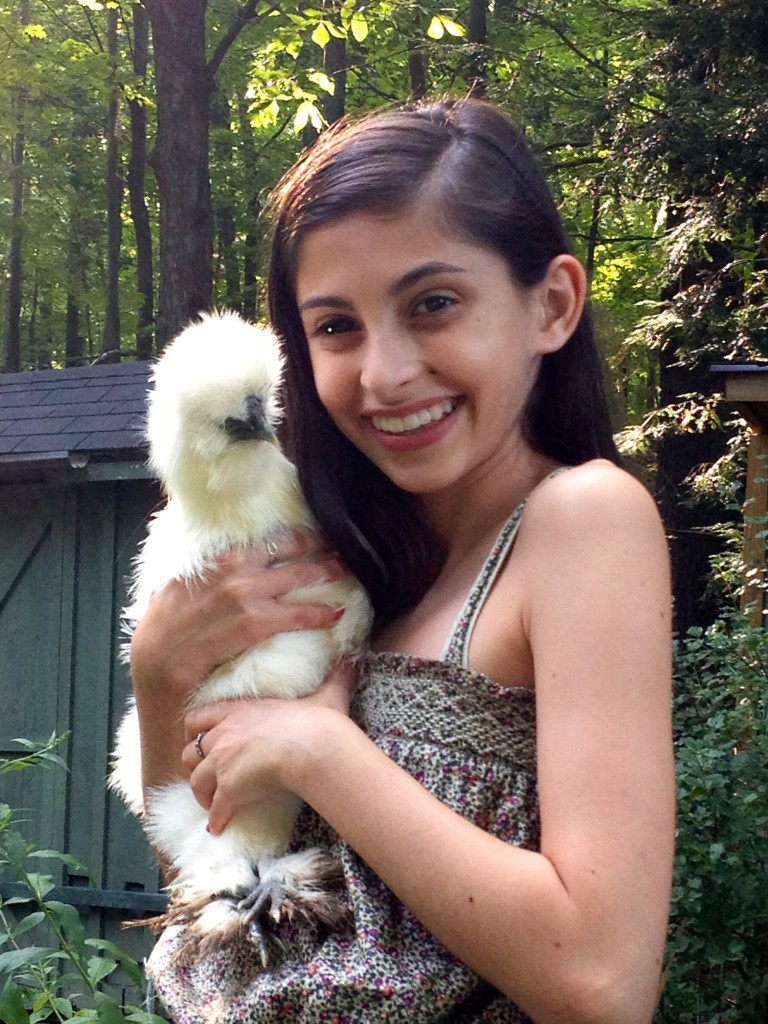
(337, 325)
(435, 303)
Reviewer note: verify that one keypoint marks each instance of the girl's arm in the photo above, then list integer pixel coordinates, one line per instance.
(574, 933)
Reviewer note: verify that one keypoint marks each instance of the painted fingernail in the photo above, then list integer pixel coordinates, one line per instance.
(338, 614)
(208, 829)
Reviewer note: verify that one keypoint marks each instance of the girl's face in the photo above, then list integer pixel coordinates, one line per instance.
(424, 350)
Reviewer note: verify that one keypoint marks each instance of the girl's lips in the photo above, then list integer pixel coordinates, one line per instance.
(404, 438)
(411, 421)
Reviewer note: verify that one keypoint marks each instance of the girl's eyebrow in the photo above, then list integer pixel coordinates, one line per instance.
(424, 270)
(323, 301)
(410, 278)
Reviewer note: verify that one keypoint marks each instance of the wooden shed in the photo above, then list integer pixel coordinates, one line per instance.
(74, 497)
(745, 386)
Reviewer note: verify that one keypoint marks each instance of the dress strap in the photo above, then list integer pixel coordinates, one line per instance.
(456, 650)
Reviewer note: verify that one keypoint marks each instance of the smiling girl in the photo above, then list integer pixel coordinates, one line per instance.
(500, 792)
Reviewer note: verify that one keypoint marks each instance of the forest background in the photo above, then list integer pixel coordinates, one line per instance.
(140, 142)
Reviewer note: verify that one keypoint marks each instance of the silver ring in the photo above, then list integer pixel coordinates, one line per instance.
(198, 744)
(271, 548)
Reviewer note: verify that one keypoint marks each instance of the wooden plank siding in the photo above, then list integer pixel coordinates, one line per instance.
(65, 550)
(753, 602)
(745, 386)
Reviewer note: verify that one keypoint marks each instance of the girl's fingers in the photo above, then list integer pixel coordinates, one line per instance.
(339, 687)
(295, 575)
(203, 782)
(203, 720)
(297, 546)
(219, 815)
(277, 551)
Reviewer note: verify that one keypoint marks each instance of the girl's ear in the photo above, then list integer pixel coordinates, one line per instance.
(562, 295)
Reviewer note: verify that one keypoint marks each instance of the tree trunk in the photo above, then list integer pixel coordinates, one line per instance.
(681, 453)
(32, 323)
(111, 340)
(477, 38)
(250, 303)
(594, 226)
(74, 345)
(506, 10)
(73, 340)
(227, 234)
(417, 71)
(335, 66)
(691, 549)
(180, 162)
(45, 334)
(136, 191)
(13, 298)
(223, 214)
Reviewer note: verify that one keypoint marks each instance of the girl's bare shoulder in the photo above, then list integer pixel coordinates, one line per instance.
(587, 500)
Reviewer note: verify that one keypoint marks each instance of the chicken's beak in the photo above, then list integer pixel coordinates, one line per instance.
(253, 426)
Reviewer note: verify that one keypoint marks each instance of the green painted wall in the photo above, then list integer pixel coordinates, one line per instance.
(65, 550)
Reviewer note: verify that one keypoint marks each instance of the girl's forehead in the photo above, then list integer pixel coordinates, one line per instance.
(408, 231)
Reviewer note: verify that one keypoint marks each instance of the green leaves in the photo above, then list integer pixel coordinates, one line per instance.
(321, 79)
(33, 32)
(15, 958)
(107, 1010)
(60, 975)
(307, 113)
(440, 25)
(322, 34)
(12, 1008)
(718, 940)
(358, 26)
(40, 753)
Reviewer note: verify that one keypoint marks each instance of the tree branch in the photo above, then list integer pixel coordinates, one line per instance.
(275, 135)
(71, 30)
(245, 16)
(94, 30)
(127, 27)
(547, 23)
(576, 163)
(619, 240)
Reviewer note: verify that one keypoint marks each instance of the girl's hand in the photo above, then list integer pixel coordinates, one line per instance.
(192, 628)
(257, 749)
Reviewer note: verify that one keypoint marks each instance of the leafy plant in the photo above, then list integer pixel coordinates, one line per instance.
(62, 978)
(717, 966)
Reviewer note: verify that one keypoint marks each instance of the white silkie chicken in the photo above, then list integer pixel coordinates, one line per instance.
(211, 423)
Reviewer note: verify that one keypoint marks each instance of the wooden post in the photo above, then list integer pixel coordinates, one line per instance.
(755, 525)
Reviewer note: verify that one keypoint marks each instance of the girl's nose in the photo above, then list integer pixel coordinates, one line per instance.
(390, 362)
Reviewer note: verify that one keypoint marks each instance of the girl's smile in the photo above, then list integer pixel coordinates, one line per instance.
(415, 429)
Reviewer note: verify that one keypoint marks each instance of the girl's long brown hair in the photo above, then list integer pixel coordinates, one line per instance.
(474, 167)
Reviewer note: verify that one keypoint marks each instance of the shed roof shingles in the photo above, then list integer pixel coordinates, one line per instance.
(49, 413)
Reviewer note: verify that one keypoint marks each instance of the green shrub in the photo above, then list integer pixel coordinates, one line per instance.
(717, 957)
(63, 975)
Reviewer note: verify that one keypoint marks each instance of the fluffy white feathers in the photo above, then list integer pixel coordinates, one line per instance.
(211, 422)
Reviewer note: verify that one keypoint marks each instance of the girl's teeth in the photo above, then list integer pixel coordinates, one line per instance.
(403, 424)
